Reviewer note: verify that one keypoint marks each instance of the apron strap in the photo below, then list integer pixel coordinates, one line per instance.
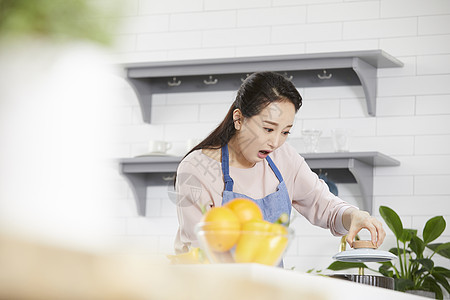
(226, 169)
(274, 169)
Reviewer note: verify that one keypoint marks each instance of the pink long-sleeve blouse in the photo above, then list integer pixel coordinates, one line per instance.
(200, 184)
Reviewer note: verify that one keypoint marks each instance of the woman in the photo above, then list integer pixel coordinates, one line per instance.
(246, 156)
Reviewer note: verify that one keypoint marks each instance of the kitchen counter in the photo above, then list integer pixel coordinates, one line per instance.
(33, 269)
(254, 281)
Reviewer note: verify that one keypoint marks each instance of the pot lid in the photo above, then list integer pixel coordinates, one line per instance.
(364, 255)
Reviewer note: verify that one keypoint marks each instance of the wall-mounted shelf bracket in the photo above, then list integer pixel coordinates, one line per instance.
(351, 167)
(304, 70)
(341, 167)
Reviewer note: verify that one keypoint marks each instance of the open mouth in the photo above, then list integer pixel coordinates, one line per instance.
(263, 153)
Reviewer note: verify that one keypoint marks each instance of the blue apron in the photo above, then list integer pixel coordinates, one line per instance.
(272, 205)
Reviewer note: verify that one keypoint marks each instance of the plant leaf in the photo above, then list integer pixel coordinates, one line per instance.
(433, 229)
(386, 264)
(442, 280)
(407, 235)
(392, 220)
(387, 273)
(394, 251)
(441, 249)
(384, 269)
(426, 262)
(341, 265)
(403, 284)
(417, 246)
(442, 271)
(417, 273)
(431, 285)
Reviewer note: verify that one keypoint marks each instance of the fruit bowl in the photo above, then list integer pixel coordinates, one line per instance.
(255, 242)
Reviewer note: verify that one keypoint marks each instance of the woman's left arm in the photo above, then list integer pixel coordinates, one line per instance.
(354, 220)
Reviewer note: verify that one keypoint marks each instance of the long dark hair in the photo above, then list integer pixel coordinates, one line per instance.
(256, 92)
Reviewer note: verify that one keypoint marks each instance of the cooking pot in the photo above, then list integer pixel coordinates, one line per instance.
(372, 280)
(364, 251)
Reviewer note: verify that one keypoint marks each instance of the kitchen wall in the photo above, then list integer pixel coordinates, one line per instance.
(413, 102)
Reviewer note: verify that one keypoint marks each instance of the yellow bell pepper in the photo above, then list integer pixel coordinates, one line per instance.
(273, 245)
(253, 234)
(261, 242)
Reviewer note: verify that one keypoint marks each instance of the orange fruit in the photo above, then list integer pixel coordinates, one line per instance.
(245, 209)
(221, 228)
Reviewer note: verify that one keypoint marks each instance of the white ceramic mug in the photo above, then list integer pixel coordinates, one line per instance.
(155, 146)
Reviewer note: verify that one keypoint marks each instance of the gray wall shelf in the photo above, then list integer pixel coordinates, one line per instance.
(340, 167)
(304, 70)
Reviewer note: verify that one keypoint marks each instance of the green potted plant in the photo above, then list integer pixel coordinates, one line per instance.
(415, 269)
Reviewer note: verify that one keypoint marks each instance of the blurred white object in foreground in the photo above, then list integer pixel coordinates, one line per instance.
(55, 128)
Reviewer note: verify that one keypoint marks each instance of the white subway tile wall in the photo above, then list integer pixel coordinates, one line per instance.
(325, 13)
(439, 24)
(413, 103)
(380, 28)
(402, 8)
(197, 21)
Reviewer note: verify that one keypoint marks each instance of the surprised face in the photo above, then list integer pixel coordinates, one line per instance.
(258, 136)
